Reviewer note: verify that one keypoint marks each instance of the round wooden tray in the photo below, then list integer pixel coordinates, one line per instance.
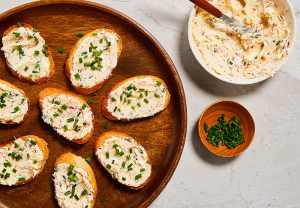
(163, 135)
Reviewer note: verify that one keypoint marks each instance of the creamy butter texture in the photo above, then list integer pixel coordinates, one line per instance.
(137, 98)
(72, 187)
(248, 56)
(13, 105)
(24, 49)
(125, 160)
(68, 116)
(20, 161)
(94, 59)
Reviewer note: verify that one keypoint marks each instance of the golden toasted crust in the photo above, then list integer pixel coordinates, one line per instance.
(69, 64)
(106, 135)
(108, 115)
(22, 92)
(19, 76)
(79, 162)
(43, 147)
(54, 92)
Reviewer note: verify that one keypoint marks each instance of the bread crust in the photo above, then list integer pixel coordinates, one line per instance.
(27, 79)
(108, 115)
(77, 161)
(104, 136)
(23, 93)
(42, 144)
(69, 64)
(53, 92)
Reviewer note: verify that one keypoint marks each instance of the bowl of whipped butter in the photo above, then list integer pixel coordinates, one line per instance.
(243, 59)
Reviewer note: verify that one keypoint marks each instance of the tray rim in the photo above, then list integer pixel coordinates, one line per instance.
(162, 52)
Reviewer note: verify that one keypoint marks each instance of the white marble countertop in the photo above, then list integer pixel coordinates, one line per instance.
(268, 173)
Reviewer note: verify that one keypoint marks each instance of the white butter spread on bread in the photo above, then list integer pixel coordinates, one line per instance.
(72, 187)
(125, 160)
(137, 98)
(26, 52)
(67, 115)
(20, 160)
(95, 58)
(13, 104)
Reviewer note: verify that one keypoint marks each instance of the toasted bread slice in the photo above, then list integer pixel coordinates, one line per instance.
(67, 113)
(124, 158)
(27, 55)
(74, 182)
(14, 105)
(135, 98)
(92, 60)
(22, 159)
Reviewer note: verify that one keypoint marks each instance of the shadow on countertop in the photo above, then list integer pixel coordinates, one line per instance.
(205, 154)
(202, 78)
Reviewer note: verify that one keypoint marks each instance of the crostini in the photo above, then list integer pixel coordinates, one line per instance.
(74, 182)
(22, 159)
(27, 55)
(136, 97)
(14, 104)
(68, 114)
(124, 158)
(92, 60)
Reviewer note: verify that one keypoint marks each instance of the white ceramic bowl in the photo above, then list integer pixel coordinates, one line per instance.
(284, 7)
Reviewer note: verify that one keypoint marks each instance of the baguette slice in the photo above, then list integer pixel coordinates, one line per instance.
(14, 105)
(135, 98)
(22, 159)
(67, 113)
(27, 55)
(124, 158)
(72, 175)
(92, 60)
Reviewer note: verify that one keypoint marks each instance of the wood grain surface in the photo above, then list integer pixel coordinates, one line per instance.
(229, 108)
(163, 135)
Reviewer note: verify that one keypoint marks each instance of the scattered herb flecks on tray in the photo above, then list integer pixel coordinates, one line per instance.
(228, 132)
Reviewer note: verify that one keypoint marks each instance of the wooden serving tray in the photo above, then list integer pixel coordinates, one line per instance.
(163, 135)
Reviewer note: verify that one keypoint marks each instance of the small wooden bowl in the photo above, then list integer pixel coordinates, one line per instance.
(229, 108)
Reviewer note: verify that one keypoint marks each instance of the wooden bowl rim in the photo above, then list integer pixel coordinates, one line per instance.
(162, 52)
(201, 117)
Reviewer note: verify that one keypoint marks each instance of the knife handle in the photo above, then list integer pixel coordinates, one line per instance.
(208, 7)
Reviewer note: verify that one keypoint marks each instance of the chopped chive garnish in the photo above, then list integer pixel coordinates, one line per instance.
(64, 106)
(106, 124)
(113, 99)
(123, 164)
(65, 127)
(88, 159)
(137, 177)
(17, 34)
(69, 120)
(35, 162)
(84, 192)
(137, 139)
(79, 35)
(14, 170)
(158, 83)
(57, 102)
(32, 142)
(146, 100)
(61, 50)
(108, 166)
(22, 179)
(156, 95)
(124, 179)
(71, 167)
(16, 109)
(89, 102)
(93, 94)
(36, 52)
(142, 169)
(128, 157)
(67, 193)
(77, 76)
(80, 60)
(107, 155)
(83, 106)
(26, 68)
(19, 24)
